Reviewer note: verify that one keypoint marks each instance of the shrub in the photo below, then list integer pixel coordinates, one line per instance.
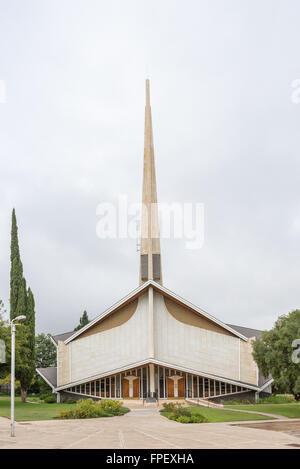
(279, 399)
(88, 409)
(187, 417)
(184, 419)
(70, 400)
(50, 400)
(85, 409)
(110, 406)
(43, 396)
(171, 406)
(198, 418)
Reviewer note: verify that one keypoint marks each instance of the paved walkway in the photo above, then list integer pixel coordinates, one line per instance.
(141, 428)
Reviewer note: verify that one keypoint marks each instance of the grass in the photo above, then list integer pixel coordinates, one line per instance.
(222, 415)
(26, 412)
(286, 410)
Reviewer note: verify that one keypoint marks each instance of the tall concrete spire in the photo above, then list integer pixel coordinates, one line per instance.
(150, 262)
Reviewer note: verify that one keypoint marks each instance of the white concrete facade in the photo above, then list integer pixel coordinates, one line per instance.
(153, 333)
(193, 347)
(107, 350)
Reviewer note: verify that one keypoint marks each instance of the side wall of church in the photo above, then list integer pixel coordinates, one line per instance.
(249, 371)
(107, 348)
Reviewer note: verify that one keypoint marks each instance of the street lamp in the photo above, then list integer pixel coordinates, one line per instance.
(12, 383)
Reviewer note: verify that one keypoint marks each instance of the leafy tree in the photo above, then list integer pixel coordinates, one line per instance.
(2, 310)
(22, 303)
(45, 351)
(83, 321)
(22, 351)
(273, 353)
(4, 338)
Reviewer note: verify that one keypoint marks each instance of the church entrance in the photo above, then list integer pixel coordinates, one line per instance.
(131, 387)
(175, 386)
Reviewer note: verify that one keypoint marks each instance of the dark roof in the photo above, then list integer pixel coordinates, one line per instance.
(49, 374)
(62, 337)
(246, 331)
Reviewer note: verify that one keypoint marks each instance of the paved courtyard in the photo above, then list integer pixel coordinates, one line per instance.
(143, 428)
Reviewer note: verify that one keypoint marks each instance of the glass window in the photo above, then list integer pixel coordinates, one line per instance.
(200, 387)
(118, 386)
(112, 387)
(161, 383)
(93, 388)
(97, 388)
(88, 388)
(212, 387)
(144, 374)
(107, 387)
(156, 380)
(206, 384)
(189, 386)
(195, 387)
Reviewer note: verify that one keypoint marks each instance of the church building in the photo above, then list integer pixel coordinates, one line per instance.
(153, 344)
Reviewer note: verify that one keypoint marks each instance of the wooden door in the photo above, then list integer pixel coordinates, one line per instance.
(170, 384)
(181, 387)
(136, 387)
(125, 388)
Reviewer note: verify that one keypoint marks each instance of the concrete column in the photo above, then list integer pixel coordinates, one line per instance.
(58, 397)
(152, 380)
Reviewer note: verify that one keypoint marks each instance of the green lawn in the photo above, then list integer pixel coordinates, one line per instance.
(286, 410)
(27, 411)
(222, 415)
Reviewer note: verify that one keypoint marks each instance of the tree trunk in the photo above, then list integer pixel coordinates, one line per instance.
(23, 395)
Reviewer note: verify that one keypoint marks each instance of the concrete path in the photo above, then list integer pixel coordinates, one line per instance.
(141, 428)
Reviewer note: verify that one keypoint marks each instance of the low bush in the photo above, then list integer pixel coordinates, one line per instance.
(238, 402)
(171, 406)
(279, 399)
(187, 417)
(276, 399)
(50, 400)
(42, 397)
(111, 406)
(181, 414)
(70, 400)
(88, 409)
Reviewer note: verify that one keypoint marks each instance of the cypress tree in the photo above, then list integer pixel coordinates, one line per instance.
(16, 271)
(22, 303)
(30, 322)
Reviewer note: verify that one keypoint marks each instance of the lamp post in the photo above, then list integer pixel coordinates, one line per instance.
(12, 383)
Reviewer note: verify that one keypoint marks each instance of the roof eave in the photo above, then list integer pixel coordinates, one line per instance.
(162, 289)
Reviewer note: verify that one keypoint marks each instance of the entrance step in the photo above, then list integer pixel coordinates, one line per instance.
(151, 403)
(151, 399)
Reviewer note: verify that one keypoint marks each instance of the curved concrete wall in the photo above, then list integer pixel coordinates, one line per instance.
(193, 347)
(106, 350)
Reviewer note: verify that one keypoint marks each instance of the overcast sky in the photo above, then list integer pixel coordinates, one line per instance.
(226, 134)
